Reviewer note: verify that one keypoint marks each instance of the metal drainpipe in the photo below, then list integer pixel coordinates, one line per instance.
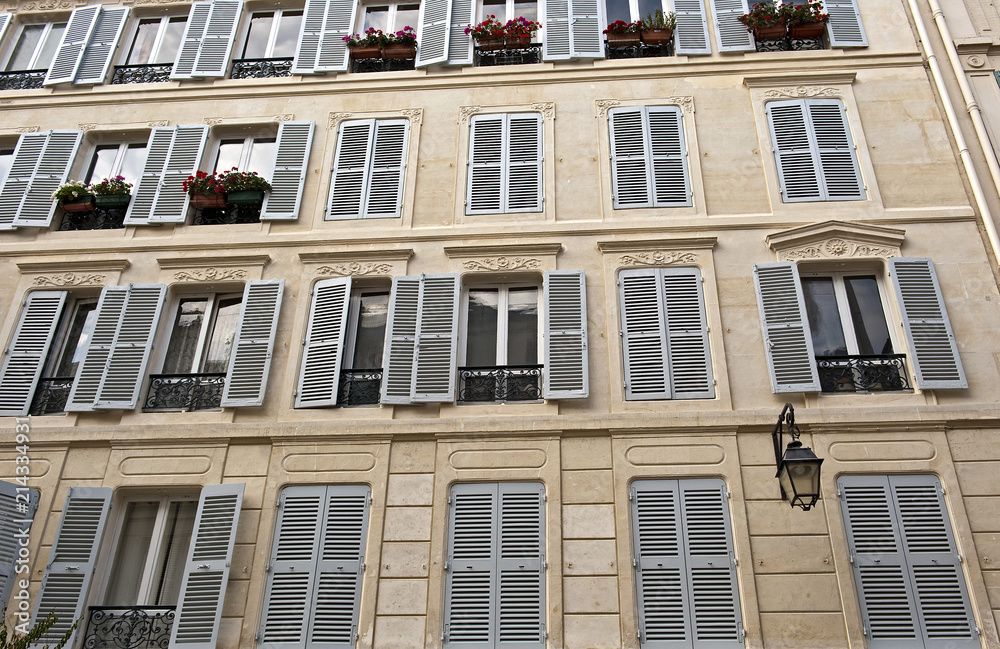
(949, 109)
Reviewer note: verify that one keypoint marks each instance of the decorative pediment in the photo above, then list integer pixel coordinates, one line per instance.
(503, 257)
(355, 263)
(836, 240)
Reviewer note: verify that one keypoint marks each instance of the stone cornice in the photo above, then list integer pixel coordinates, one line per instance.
(106, 265)
(692, 243)
(353, 255)
(459, 252)
(818, 79)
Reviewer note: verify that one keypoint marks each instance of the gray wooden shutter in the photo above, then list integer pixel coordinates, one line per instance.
(253, 347)
(69, 53)
(794, 153)
(321, 47)
(660, 574)
(351, 170)
(140, 208)
(486, 164)
(71, 561)
(52, 170)
(791, 361)
(644, 337)
(22, 169)
(323, 347)
(199, 607)
(194, 32)
(837, 156)
(567, 374)
(387, 169)
(5, 20)
(933, 349)
(687, 334)
(470, 588)
(434, 359)
(630, 177)
(520, 556)
(290, 163)
(186, 147)
(845, 27)
(691, 34)
(586, 24)
(523, 192)
(463, 12)
(435, 31)
(730, 32)
(557, 45)
(400, 340)
(28, 349)
(668, 153)
(90, 371)
(17, 510)
(97, 56)
(217, 41)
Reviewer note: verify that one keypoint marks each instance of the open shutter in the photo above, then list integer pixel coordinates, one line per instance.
(565, 336)
(470, 589)
(435, 31)
(629, 158)
(463, 13)
(186, 147)
(254, 344)
(17, 509)
(388, 165)
(557, 45)
(644, 337)
(691, 34)
(90, 372)
(841, 175)
(194, 32)
(129, 353)
(524, 163)
(350, 170)
(586, 24)
(22, 366)
(671, 187)
(321, 47)
(794, 151)
(97, 56)
(323, 347)
(217, 41)
(5, 20)
(521, 565)
(400, 340)
(68, 55)
(687, 334)
(71, 562)
(845, 27)
(290, 162)
(791, 361)
(27, 153)
(52, 170)
(140, 208)
(434, 362)
(199, 607)
(932, 344)
(486, 164)
(731, 33)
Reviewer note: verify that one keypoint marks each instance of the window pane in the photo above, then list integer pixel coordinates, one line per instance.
(647, 7)
(481, 341)
(618, 10)
(258, 35)
(6, 158)
(288, 34)
(183, 345)
(522, 326)
(166, 586)
(526, 8)
(371, 331)
(824, 317)
(49, 46)
(406, 16)
(142, 45)
(496, 8)
(262, 153)
(135, 159)
(130, 555)
(377, 17)
(171, 42)
(20, 58)
(867, 315)
(80, 329)
(102, 164)
(220, 344)
(230, 154)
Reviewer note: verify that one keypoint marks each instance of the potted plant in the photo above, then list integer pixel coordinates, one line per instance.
(765, 20)
(519, 31)
(400, 45)
(206, 190)
(112, 193)
(658, 27)
(367, 45)
(623, 34)
(805, 20)
(244, 187)
(488, 34)
(74, 196)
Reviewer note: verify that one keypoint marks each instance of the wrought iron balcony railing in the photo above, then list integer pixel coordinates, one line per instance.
(51, 394)
(261, 68)
(185, 391)
(500, 383)
(641, 51)
(359, 387)
(880, 373)
(147, 73)
(789, 44)
(97, 219)
(228, 215)
(382, 65)
(129, 627)
(22, 79)
(513, 56)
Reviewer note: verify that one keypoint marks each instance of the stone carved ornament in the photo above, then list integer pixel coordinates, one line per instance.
(838, 248)
(27, 129)
(502, 263)
(415, 115)
(210, 274)
(69, 279)
(45, 6)
(465, 113)
(547, 109)
(355, 268)
(604, 105)
(658, 258)
(337, 118)
(160, 122)
(799, 92)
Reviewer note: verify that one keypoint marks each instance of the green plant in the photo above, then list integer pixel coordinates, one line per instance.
(10, 639)
(71, 191)
(235, 180)
(659, 20)
(763, 14)
(111, 187)
(489, 27)
(804, 14)
(521, 26)
(622, 27)
(405, 36)
(370, 38)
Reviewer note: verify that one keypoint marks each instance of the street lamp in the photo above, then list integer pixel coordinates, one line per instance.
(798, 468)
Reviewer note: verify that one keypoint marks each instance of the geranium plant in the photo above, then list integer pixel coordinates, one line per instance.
(111, 187)
(221, 182)
(763, 14)
(489, 27)
(71, 191)
(804, 14)
(622, 27)
(370, 38)
(521, 26)
(204, 183)
(405, 36)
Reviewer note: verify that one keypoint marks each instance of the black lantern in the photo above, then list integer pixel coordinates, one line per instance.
(798, 468)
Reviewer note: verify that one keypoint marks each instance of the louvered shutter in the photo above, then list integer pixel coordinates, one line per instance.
(90, 371)
(436, 339)
(523, 192)
(791, 361)
(25, 358)
(435, 31)
(470, 588)
(52, 170)
(463, 13)
(323, 347)
(730, 32)
(644, 337)
(140, 208)
(557, 45)
(629, 158)
(186, 147)
(5, 20)
(520, 565)
(567, 374)
(687, 334)
(101, 48)
(194, 32)
(660, 573)
(350, 170)
(794, 152)
(69, 53)
(321, 47)
(17, 509)
(388, 165)
(217, 41)
(486, 165)
(199, 607)
(129, 353)
(933, 349)
(586, 25)
(253, 346)
(290, 163)
(400, 340)
(671, 187)
(845, 27)
(841, 175)
(26, 156)
(691, 33)
(70, 569)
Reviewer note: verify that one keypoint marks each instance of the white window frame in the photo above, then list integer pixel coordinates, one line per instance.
(249, 140)
(502, 320)
(277, 14)
(61, 337)
(354, 319)
(116, 166)
(207, 327)
(46, 32)
(391, 21)
(6, 152)
(161, 30)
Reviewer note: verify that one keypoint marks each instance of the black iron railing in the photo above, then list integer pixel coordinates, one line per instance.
(51, 395)
(228, 215)
(261, 68)
(359, 387)
(789, 44)
(382, 65)
(97, 219)
(147, 73)
(500, 383)
(508, 56)
(640, 51)
(185, 391)
(22, 79)
(881, 373)
(129, 627)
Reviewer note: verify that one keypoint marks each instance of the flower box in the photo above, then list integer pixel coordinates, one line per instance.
(249, 197)
(366, 52)
(808, 30)
(84, 203)
(657, 36)
(769, 33)
(622, 39)
(516, 41)
(204, 201)
(490, 43)
(399, 51)
(112, 201)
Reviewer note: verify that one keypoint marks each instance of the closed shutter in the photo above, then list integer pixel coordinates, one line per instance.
(730, 32)
(845, 27)
(567, 374)
(388, 165)
(199, 607)
(350, 170)
(644, 337)
(557, 45)
(194, 33)
(470, 588)
(463, 13)
(524, 163)
(323, 347)
(290, 162)
(520, 568)
(629, 158)
(436, 339)
(26, 156)
(434, 31)
(253, 347)
(794, 154)
(186, 147)
(217, 41)
(841, 175)
(97, 56)
(140, 208)
(906, 566)
(400, 340)
(648, 157)
(671, 187)
(52, 170)
(63, 593)
(486, 165)
(92, 367)
(691, 34)
(660, 573)
(17, 509)
(791, 361)
(687, 334)
(933, 349)
(69, 53)
(321, 47)
(586, 24)
(25, 358)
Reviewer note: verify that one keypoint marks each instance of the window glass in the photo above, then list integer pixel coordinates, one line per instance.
(258, 35)
(481, 336)
(170, 43)
(846, 315)
(24, 50)
(185, 335)
(74, 345)
(49, 46)
(156, 40)
(202, 336)
(522, 326)
(133, 162)
(390, 17)
(130, 556)
(145, 39)
(6, 159)
(287, 36)
(102, 163)
(824, 317)
(230, 153)
(248, 154)
(870, 328)
(124, 159)
(373, 310)
(261, 157)
(377, 17)
(223, 333)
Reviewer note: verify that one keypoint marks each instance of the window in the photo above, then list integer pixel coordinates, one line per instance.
(906, 566)
(390, 17)
(845, 312)
(316, 567)
(505, 164)
(665, 334)
(685, 564)
(202, 335)
(6, 159)
(156, 40)
(40, 163)
(35, 47)
(88, 43)
(814, 151)
(248, 153)
(369, 169)
(208, 40)
(272, 34)
(505, 10)
(495, 578)
(631, 10)
(122, 159)
(648, 157)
